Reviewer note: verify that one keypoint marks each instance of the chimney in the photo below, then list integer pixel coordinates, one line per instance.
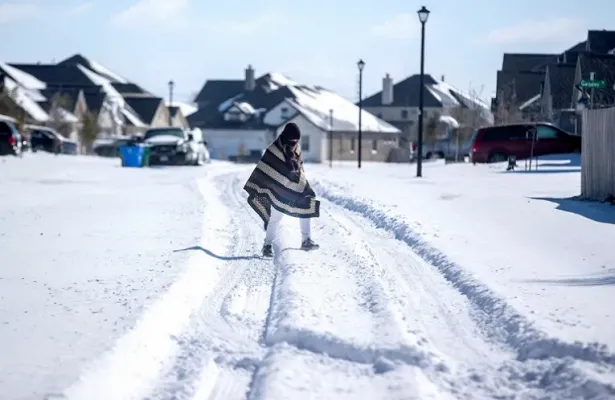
(387, 90)
(250, 83)
(442, 78)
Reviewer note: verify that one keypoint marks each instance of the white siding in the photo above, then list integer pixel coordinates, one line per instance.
(317, 140)
(276, 115)
(228, 142)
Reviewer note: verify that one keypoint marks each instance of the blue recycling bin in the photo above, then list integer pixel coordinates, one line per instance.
(134, 156)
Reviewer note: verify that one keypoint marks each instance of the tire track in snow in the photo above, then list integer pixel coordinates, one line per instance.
(496, 316)
(483, 364)
(222, 348)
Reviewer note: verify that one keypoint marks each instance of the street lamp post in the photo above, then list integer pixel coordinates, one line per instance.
(361, 65)
(423, 15)
(171, 84)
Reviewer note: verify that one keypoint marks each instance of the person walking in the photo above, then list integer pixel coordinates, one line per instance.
(278, 186)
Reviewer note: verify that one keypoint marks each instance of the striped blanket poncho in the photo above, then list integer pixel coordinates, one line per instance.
(274, 184)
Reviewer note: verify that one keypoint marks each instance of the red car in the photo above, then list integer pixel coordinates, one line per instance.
(496, 143)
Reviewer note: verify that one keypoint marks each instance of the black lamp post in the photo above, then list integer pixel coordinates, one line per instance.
(423, 15)
(361, 65)
(171, 84)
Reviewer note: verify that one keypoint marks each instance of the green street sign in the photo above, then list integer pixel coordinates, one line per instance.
(593, 84)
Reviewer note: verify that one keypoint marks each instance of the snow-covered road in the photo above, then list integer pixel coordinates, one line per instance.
(365, 317)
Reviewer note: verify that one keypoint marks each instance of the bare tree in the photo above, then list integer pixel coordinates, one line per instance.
(431, 128)
(60, 103)
(89, 131)
(470, 117)
(508, 106)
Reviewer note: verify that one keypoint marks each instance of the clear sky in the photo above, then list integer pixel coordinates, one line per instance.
(311, 41)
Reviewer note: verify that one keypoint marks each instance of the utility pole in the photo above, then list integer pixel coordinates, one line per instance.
(330, 138)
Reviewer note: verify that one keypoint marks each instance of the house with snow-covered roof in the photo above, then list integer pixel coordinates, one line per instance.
(104, 91)
(177, 117)
(151, 111)
(240, 118)
(22, 91)
(398, 103)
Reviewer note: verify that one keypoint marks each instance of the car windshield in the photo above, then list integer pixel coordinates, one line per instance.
(163, 132)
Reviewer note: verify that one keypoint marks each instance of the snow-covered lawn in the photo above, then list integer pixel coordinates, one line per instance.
(470, 283)
(84, 246)
(519, 234)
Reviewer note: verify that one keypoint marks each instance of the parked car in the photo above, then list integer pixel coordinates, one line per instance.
(47, 139)
(497, 143)
(10, 138)
(176, 146)
(110, 147)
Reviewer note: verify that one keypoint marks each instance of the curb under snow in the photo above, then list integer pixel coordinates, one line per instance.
(499, 319)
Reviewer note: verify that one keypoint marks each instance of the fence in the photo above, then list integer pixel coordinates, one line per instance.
(598, 154)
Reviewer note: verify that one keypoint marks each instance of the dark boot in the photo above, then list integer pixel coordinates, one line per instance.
(308, 244)
(267, 250)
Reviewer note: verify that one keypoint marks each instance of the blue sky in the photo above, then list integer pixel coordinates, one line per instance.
(311, 41)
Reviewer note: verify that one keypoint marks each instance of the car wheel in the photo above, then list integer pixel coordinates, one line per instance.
(497, 157)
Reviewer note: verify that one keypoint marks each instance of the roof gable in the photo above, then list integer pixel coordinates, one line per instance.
(93, 66)
(145, 107)
(518, 86)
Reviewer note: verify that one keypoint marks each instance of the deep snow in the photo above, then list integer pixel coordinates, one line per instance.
(518, 233)
(399, 303)
(84, 246)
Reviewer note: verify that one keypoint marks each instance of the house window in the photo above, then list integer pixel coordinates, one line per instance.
(352, 145)
(374, 146)
(284, 110)
(305, 144)
(404, 114)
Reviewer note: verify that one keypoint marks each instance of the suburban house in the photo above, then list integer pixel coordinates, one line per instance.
(518, 86)
(152, 112)
(398, 103)
(63, 93)
(546, 86)
(177, 117)
(240, 118)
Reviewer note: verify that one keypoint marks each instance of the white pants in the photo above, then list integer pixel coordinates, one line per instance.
(274, 226)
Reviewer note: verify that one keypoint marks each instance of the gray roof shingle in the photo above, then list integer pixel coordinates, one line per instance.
(518, 62)
(216, 91)
(406, 94)
(145, 107)
(526, 84)
(561, 81)
(57, 75)
(600, 42)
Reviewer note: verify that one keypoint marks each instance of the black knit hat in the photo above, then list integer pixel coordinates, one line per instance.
(291, 133)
